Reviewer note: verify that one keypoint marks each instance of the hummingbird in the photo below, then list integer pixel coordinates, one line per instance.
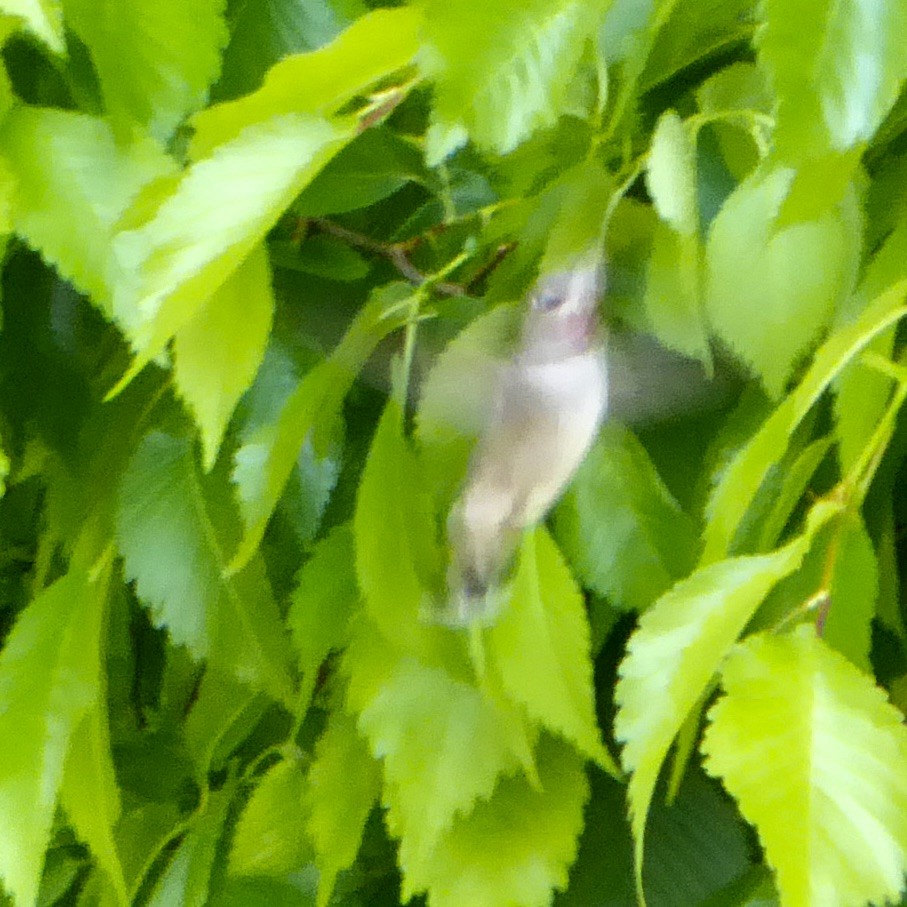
(548, 404)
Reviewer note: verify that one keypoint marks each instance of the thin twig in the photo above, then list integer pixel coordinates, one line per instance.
(395, 253)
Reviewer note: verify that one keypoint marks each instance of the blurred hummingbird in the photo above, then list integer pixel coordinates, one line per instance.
(548, 404)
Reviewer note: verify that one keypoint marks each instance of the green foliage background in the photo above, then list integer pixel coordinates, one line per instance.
(228, 225)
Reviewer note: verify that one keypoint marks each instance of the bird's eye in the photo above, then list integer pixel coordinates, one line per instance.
(546, 301)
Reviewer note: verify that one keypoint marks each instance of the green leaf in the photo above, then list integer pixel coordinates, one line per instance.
(771, 291)
(187, 879)
(324, 600)
(397, 551)
(540, 647)
(788, 495)
(677, 648)
(836, 70)
(674, 293)
(514, 847)
(742, 478)
(502, 70)
(373, 167)
(265, 892)
(224, 711)
(442, 742)
(343, 785)
(674, 276)
(219, 212)
(862, 392)
(817, 760)
(853, 593)
(90, 795)
(740, 86)
(144, 830)
(153, 61)
(173, 529)
(262, 33)
(696, 844)
(621, 529)
(271, 835)
(217, 354)
(43, 18)
(73, 183)
(313, 475)
(268, 455)
(49, 681)
(694, 31)
(322, 256)
(321, 82)
(671, 174)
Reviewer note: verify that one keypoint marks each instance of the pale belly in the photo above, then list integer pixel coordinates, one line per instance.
(548, 417)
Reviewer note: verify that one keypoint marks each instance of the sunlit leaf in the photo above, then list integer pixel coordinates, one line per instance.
(324, 600)
(817, 760)
(343, 785)
(515, 846)
(836, 70)
(43, 18)
(73, 183)
(220, 210)
(677, 648)
(771, 291)
(671, 174)
(674, 293)
(674, 277)
(429, 724)
(271, 836)
(155, 60)
(501, 70)
(49, 675)
(397, 551)
(541, 648)
(741, 480)
(90, 795)
(217, 354)
(320, 82)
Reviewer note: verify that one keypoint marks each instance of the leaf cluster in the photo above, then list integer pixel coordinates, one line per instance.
(260, 259)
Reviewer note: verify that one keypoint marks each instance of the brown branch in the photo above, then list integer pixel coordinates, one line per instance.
(395, 253)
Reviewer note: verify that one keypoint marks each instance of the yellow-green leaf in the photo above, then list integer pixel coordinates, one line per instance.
(49, 670)
(442, 742)
(43, 18)
(73, 182)
(321, 82)
(677, 648)
(155, 58)
(514, 847)
(540, 648)
(217, 354)
(741, 480)
(343, 784)
(771, 290)
(271, 836)
(817, 760)
(217, 214)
